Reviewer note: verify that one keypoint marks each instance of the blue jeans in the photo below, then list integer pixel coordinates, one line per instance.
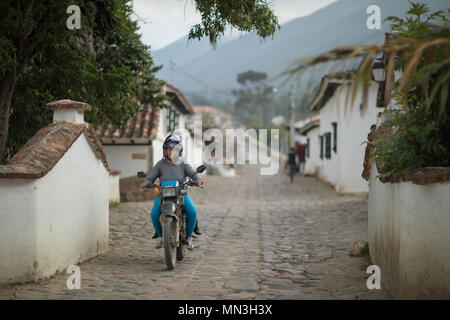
(188, 208)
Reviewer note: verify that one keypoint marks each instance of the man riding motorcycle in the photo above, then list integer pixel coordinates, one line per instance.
(173, 167)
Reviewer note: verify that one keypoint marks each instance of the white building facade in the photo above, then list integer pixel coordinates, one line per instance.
(54, 199)
(138, 145)
(337, 141)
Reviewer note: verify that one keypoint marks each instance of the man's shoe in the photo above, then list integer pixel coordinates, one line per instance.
(197, 230)
(189, 243)
(155, 235)
(159, 244)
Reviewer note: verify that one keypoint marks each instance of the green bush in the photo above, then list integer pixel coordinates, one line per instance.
(419, 139)
(421, 131)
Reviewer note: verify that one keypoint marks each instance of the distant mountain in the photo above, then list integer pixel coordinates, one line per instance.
(340, 23)
(182, 51)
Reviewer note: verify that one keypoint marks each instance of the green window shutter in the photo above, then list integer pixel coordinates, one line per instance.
(172, 120)
(328, 145)
(321, 146)
(334, 124)
(307, 147)
(169, 115)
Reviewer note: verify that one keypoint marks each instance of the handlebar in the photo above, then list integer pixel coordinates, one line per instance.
(189, 183)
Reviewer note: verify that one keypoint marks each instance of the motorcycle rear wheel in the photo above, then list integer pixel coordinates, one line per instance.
(170, 251)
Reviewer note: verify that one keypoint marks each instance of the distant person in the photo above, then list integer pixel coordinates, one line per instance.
(290, 161)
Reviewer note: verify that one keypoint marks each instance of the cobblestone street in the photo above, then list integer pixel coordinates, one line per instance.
(263, 238)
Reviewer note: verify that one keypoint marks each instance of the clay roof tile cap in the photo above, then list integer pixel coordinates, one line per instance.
(68, 104)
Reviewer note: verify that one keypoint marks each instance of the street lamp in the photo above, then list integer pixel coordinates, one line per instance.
(378, 73)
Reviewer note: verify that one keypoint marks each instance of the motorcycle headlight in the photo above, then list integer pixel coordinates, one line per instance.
(168, 192)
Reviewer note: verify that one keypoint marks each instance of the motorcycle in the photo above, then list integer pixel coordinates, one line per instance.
(173, 219)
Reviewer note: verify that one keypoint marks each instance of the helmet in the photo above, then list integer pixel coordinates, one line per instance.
(172, 141)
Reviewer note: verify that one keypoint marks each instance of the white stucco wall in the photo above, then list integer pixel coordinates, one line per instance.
(352, 133)
(69, 115)
(344, 168)
(61, 219)
(330, 168)
(157, 143)
(119, 157)
(73, 210)
(18, 206)
(181, 120)
(162, 124)
(157, 150)
(409, 237)
(312, 163)
(114, 188)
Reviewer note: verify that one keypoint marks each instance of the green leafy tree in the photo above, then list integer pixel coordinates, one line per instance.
(245, 15)
(253, 104)
(104, 63)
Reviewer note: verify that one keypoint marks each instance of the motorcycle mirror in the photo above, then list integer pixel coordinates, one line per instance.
(201, 168)
(141, 174)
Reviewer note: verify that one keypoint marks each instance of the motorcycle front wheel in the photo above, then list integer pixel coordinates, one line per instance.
(180, 253)
(170, 252)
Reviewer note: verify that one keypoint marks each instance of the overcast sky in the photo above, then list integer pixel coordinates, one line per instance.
(165, 21)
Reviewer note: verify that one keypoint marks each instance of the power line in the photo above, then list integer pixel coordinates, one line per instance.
(198, 80)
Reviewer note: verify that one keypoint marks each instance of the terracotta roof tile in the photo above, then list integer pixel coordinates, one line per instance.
(209, 109)
(41, 153)
(140, 129)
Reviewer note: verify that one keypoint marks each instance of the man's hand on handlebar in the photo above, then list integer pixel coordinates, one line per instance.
(199, 183)
(144, 185)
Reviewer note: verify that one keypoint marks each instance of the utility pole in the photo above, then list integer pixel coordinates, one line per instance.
(292, 122)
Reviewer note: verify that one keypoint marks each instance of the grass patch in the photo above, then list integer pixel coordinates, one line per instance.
(365, 250)
(113, 204)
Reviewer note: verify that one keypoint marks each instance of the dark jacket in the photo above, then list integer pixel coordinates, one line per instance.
(291, 158)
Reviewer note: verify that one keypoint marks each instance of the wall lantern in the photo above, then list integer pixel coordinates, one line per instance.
(378, 73)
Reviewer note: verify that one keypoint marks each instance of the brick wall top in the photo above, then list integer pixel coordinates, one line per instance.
(68, 104)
